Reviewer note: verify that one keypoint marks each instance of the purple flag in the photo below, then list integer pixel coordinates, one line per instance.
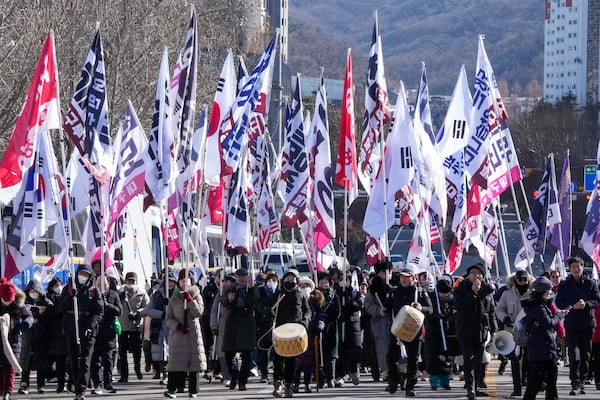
(564, 202)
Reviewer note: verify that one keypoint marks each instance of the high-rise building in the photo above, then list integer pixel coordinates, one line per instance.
(571, 51)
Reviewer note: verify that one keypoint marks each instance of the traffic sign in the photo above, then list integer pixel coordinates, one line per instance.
(589, 176)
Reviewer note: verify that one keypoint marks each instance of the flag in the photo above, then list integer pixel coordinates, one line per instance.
(219, 113)
(535, 228)
(161, 174)
(297, 173)
(431, 176)
(377, 114)
(396, 171)
(454, 132)
(265, 213)
(420, 245)
(434, 232)
(476, 150)
(39, 113)
(36, 208)
(131, 162)
(245, 103)
(373, 252)
(320, 158)
(346, 172)
(87, 115)
(490, 236)
(237, 238)
(503, 164)
(471, 207)
(590, 239)
(561, 238)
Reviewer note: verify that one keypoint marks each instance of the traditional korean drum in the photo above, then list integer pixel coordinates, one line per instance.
(407, 324)
(290, 340)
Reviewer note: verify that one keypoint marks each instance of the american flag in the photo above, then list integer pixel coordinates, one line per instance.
(434, 232)
(267, 232)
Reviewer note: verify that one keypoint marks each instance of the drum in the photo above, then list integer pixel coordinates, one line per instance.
(290, 340)
(407, 324)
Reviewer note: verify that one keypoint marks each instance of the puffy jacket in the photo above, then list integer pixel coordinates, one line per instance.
(541, 333)
(569, 292)
(402, 296)
(474, 311)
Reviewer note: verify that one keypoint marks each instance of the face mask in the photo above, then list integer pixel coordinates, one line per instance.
(57, 289)
(272, 285)
(5, 303)
(306, 291)
(34, 295)
(129, 286)
(289, 285)
(82, 279)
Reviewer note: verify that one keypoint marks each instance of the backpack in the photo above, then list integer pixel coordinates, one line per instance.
(520, 332)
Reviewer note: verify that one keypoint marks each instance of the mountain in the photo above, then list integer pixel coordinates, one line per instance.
(442, 33)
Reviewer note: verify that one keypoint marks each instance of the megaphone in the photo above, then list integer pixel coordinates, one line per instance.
(502, 343)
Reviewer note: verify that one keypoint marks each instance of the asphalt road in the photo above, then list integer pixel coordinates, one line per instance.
(499, 386)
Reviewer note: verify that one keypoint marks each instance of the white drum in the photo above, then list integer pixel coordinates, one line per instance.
(290, 340)
(407, 324)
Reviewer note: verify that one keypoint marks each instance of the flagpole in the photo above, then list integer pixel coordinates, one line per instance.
(553, 186)
(67, 226)
(502, 237)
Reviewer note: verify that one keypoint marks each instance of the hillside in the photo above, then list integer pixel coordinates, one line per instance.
(442, 33)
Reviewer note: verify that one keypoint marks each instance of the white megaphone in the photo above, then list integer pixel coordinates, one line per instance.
(502, 343)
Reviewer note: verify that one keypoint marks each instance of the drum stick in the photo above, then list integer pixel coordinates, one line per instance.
(317, 358)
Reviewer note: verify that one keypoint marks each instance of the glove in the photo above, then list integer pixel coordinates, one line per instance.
(187, 296)
(71, 290)
(184, 329)
(88, 334)
(215, 332)
(508, 322)
(321, 326)
(134, 317)
(382, 312)
(417, 306)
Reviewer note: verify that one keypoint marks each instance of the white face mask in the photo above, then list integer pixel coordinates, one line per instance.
(272, 285)
(57, 289)
(34, 295)
(129, 286)
(306, 291)
(82, 279)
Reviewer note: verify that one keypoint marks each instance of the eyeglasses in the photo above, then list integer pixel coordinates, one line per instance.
(554, 276)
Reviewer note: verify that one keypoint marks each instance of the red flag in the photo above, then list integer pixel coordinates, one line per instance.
(39, 113)
(346, 170)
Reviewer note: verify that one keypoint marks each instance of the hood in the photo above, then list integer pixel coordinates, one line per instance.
(36, 285)
(88, 268)
(511, 280)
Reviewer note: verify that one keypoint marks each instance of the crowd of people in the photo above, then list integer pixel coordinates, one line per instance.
(349, 322)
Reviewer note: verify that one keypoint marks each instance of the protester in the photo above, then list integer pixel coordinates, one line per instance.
(475, 322)
(264, 324)
(406, 294)
(542, 352)
(90, 308)
(289, 306)
(507, 310)
(57, 343)
(579, 294)
(218, 316)
(240, 327)
(159, 330)
(332, 310)
(18, 319)
(440, 343)
(105, 348)
(186, 349)
(134, 300)
(34, 349)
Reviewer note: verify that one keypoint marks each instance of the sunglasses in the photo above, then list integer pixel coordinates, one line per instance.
(523, 279)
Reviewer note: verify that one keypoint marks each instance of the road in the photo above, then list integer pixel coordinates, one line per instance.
(146, 389)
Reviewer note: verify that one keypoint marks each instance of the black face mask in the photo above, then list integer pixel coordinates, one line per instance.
(289, 285)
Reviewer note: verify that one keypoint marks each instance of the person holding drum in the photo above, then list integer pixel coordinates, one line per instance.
(290, 306)
(406, 299)
(240, 327)
(475, 320)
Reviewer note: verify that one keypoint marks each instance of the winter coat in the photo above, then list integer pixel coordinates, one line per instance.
(306, 361)
(112, 309)
(402, 296)
(57, 343)
(91, 309)
(541, 334)
(159, 330)
(240, 325)
(569, 292)
(475, 316)
(264, 318)
(293, 307)
(596, 335)
(218, 316)
(509, 303)
(208, 296)
(133, 303)
(186, 350)
(380, 324)
(34, 346)
(332, 310)
(352, 303)
(436, 358)
(20, 320)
